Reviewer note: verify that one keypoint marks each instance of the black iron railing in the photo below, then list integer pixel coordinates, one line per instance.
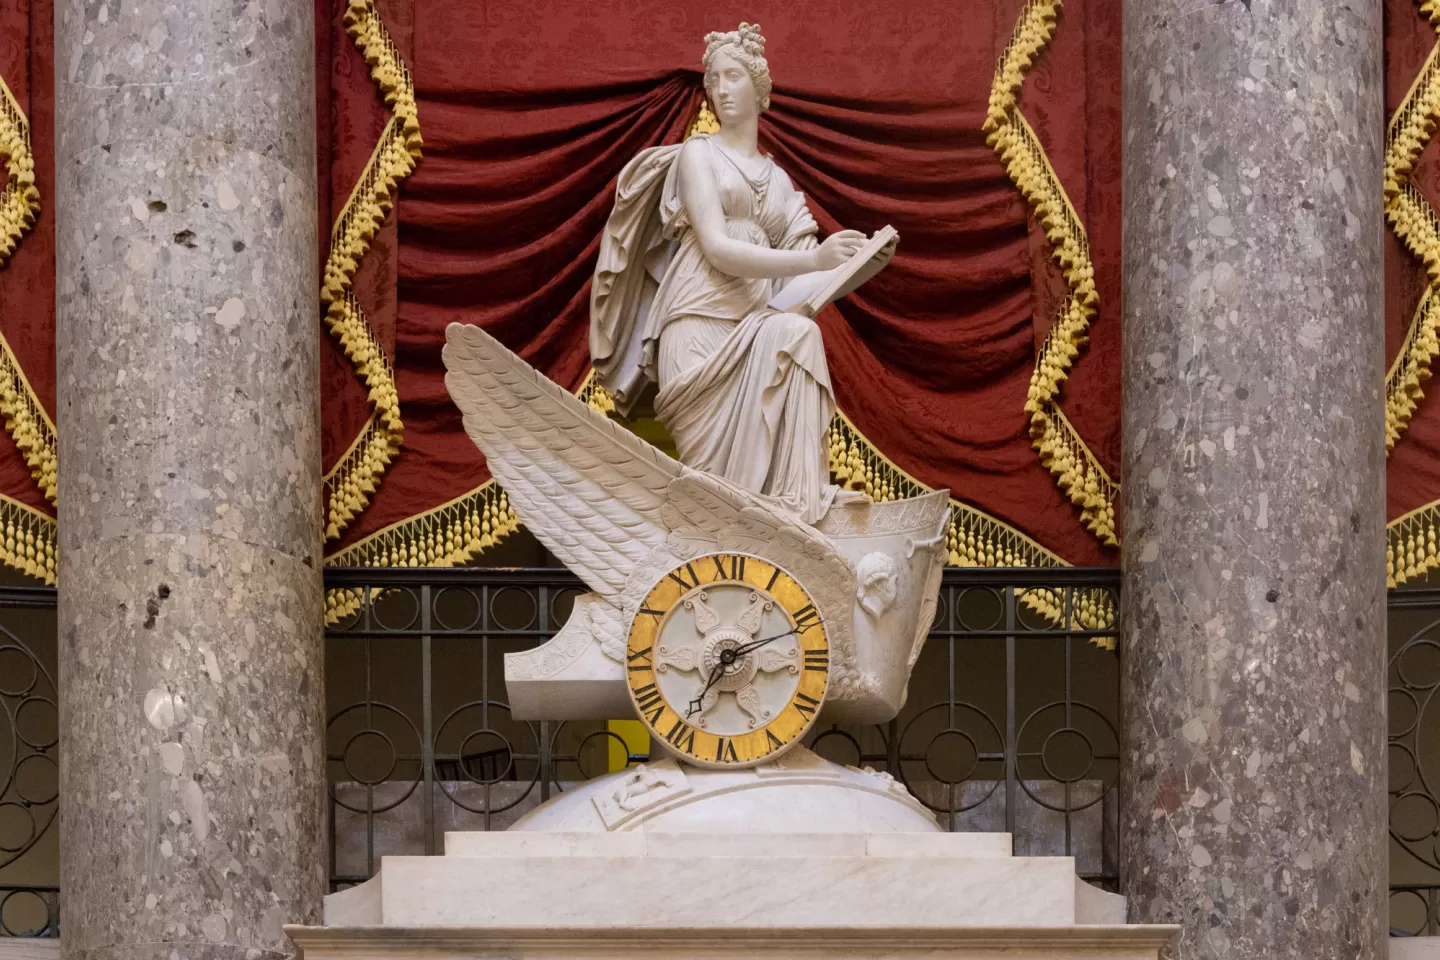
(1010, 725)
(1414, 762)
(29, 768)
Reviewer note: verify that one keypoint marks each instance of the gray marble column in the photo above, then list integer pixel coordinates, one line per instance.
(191, 677)
(1254, 806)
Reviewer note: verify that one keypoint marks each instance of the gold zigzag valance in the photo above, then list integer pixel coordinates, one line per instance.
(353, 479)
(28, 542)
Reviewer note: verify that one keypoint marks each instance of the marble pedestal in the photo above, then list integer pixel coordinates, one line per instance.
(691, 895)
(798, 859)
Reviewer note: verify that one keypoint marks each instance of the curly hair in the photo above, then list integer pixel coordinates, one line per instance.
(746, 45)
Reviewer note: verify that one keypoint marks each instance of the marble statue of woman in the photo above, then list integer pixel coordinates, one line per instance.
(702, 236)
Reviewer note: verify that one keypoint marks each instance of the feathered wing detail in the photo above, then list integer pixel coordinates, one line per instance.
(608, 628)
(600, 498)
(588, 489)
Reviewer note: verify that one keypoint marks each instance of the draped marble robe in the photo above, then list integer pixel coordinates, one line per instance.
(743, 389)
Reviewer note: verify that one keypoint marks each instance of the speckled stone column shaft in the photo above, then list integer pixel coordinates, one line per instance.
(1253, 805)
(191, 676)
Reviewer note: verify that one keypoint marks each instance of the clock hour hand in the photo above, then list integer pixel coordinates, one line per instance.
(698, 703)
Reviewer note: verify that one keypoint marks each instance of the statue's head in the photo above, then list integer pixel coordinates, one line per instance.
(737, 78)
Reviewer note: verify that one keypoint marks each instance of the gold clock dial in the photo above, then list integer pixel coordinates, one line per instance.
(727, 660)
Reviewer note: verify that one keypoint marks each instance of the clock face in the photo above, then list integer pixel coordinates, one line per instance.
(727, 660)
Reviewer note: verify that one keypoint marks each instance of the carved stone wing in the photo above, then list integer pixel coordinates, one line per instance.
(588, 489)
(614, 509)
(600, 498)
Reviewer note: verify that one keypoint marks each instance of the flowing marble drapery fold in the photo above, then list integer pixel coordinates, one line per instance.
(744, 390)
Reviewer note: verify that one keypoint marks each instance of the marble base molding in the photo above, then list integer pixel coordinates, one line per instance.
(29, 948)
(716, 942)
(624, 894)
(649, 880)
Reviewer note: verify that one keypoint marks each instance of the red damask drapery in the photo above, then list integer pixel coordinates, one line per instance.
(528, 112)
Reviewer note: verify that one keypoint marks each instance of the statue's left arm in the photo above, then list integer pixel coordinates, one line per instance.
(801, 234)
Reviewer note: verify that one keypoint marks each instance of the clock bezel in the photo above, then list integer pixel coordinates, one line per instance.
(693, 744)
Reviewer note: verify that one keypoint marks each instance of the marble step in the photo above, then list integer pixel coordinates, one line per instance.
(644, 880)
(734, 942)
(643, 843)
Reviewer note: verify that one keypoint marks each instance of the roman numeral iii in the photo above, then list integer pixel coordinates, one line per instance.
(681, 737)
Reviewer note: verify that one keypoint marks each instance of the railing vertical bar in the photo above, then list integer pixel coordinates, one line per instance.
(330, 830)
(1067, 611)
(427, 730)
(1011, 747)
(546, 761)
(369, 725)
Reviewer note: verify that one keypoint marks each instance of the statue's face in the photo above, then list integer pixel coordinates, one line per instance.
(732, 92)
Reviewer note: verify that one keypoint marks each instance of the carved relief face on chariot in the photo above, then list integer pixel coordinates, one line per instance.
(736, 591)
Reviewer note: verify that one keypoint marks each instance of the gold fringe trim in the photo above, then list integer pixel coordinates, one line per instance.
(975, 539)
(25, 419)
(1416, 225)
(1412, 545)
(450, 535)
(27, 540)
(1403, 383)
(354, 478)
(1411, 549)
(19, 200)
(1061, 449)
(1079, 475)
(455, 533)
(705, 121)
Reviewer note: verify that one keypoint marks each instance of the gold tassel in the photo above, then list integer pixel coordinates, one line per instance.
(705, 121)
(28, 541)
(1076, 471)
(1412, 547)
(353, 480)
(26, 421)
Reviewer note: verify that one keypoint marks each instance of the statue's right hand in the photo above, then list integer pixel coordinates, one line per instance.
(838, 248)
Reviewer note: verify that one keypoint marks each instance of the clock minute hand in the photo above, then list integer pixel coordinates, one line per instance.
(757, 644)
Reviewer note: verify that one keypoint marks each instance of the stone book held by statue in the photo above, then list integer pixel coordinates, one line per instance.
(809, 293)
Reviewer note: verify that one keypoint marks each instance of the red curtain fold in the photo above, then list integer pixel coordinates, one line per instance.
(500, 225)
(530, 112)
(27, 279)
